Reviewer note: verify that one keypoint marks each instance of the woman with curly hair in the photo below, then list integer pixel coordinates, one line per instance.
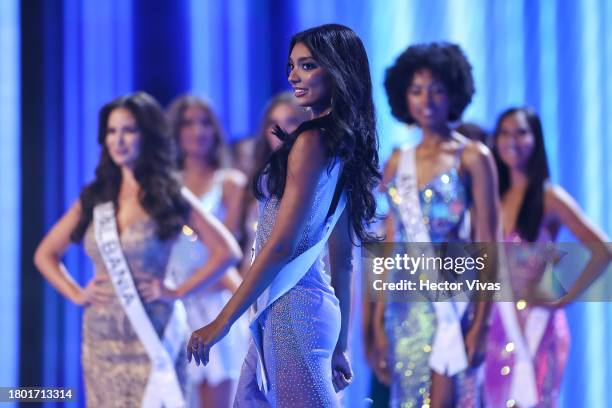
(318, 184)
(435, 348)
(199, 136)
(282, 111)
(129, 218)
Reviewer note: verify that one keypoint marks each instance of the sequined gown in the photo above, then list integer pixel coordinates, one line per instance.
(203, 305)
(524, 263)
(301, 328)
(115, 363)
(411, 326)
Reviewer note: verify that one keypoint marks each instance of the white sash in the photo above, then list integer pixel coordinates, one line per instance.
(523, 387)
(163, 387)
(448, 355)
(286, 279)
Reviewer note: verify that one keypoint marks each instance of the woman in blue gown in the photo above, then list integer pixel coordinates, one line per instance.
(318, 184)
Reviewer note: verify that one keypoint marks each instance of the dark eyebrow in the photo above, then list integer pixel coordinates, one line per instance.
(302, 59)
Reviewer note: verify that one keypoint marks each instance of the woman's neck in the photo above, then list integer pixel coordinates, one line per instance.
(197, 164)
(432, 137)
(197, 172)
(129, 184)
(518, 178)
(318, 112)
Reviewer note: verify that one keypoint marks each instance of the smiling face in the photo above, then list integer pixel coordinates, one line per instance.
(197, 134)
(427, 100)
(310, 82)
(123, 137)
(515, 141)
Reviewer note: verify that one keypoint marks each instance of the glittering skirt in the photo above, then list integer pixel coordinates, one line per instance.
(410, 327)
(549, 360)
(300, 331)
(115, 363)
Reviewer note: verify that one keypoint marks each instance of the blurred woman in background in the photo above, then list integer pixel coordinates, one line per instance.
(199, 136)
(431, 188)
(129, 218)
(527, 349)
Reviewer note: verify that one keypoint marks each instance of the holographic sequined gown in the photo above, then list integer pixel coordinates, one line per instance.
(115, 363)
(301, 328)
(411, 326)
(525, 266)
(203, 305)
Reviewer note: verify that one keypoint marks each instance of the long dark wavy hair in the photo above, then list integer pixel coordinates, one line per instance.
(532, 208)
(154, 169)
(351, 126)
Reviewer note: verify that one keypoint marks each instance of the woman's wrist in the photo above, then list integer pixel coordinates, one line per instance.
(225, 318)
(78, 298)
(341, 346)
(479, 327)
(180, 292)
(173, 294)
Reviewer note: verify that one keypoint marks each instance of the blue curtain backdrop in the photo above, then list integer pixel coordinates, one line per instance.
(78, 54)
(10, 179)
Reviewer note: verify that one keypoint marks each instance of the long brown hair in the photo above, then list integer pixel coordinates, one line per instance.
(154, 169)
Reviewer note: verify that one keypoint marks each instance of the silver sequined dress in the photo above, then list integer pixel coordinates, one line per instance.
(301, 328)
(115, 362)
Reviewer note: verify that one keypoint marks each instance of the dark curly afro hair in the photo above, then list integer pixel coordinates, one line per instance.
(447, 63)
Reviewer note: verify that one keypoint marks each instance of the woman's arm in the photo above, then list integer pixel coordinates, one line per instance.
(340, 247)
(234, 184)
(306, 163)
(222, 247)
(341, 267)
(566, 211)
(250, 231)
(483, 174)
(47, 259)
(377, 344)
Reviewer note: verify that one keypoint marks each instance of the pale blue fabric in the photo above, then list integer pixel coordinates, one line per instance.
(300, 329)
